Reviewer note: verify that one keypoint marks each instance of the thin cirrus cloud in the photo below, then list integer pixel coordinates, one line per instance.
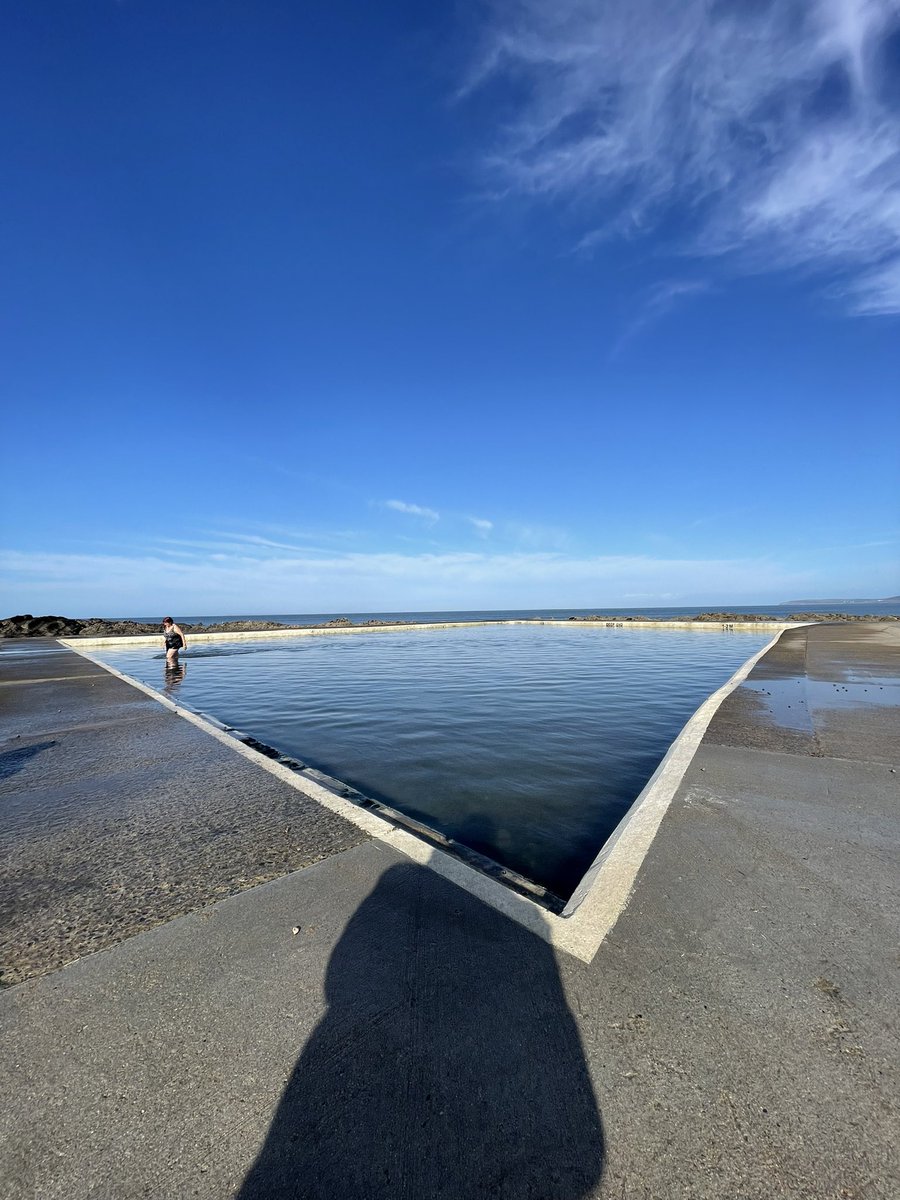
(771, 126)
(414, 510)
(658, 300)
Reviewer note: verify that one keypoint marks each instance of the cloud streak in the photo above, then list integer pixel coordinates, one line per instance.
(414, 510)
(659, 300)
(770, 126)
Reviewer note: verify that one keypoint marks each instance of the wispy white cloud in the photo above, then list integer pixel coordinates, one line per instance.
(414, 510)
(249, 539)
(232, 542)
(770, 123)
(482, 526)
(282, 531)
(659, 299)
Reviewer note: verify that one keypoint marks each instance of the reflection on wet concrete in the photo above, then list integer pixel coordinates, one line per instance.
(819, 691)
(878, 693)
(785, 701)
(794, 702)
(118, 815)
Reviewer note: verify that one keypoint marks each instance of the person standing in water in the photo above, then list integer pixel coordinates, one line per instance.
(175, 640)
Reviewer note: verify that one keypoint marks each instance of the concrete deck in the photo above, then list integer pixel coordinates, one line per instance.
(735, 1035)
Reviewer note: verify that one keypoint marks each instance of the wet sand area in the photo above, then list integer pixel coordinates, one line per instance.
(363, 1027)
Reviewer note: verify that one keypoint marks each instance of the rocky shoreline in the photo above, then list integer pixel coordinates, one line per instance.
(25, 625)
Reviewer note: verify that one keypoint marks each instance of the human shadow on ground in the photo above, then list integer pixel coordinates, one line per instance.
(13, 761)
(447, 1065)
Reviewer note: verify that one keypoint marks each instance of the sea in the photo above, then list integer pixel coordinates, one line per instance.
(856, 608)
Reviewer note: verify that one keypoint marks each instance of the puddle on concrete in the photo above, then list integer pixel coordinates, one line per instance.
(861, 693)
(785, 700)
(794, 701)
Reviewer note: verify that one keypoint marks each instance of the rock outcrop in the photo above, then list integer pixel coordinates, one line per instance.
(25, 625)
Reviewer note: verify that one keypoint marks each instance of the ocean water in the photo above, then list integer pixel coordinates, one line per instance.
(527, 744)
(873, 608)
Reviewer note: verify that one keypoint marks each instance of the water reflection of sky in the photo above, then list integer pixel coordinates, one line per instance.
(791, 702)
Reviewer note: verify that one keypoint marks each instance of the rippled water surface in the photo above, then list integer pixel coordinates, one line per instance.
(525, 743)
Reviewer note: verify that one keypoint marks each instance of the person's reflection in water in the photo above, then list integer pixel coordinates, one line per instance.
(174, 677)
(447, 1066)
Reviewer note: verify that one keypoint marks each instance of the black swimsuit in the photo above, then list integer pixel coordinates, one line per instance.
(174, 641)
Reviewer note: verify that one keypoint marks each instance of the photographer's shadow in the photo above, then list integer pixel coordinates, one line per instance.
(446, 1066)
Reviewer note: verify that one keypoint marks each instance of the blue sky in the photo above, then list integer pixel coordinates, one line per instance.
(361, 307)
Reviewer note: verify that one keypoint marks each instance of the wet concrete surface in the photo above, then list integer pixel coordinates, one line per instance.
(117, 814)
(823, 690)
(734, 1037)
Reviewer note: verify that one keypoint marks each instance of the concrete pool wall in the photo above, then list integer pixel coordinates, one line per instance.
(605, 889)
(323, 631)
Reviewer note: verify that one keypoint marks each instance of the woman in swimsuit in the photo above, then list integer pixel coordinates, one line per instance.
(175, 640)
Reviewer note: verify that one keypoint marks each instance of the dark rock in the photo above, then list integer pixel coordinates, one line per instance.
(728, 616)
(25, 625)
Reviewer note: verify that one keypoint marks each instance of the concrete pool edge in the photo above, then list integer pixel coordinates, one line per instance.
(148, 639)
(603, 893)
(607, 885)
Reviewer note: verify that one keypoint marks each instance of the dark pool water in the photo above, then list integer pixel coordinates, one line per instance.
(527, 744)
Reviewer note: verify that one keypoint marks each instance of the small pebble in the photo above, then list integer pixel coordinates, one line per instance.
(295, 930)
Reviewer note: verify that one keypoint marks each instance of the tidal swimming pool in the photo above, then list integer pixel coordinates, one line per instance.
(525, 743)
